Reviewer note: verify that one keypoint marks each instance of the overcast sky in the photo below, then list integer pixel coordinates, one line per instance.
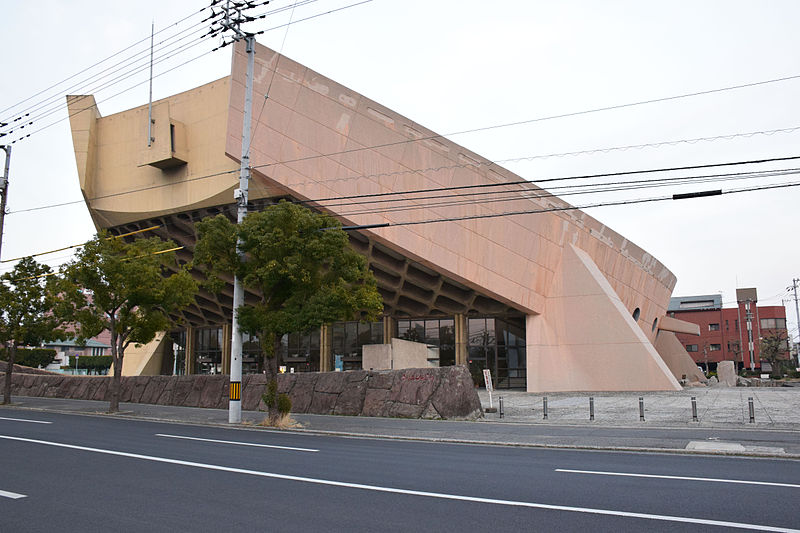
(454, 65)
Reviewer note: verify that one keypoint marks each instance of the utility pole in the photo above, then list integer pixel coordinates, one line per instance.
(232, 22)
(749, 316)
(795, 282)
(4, 191)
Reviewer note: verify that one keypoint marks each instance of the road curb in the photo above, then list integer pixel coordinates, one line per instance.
(130, 415)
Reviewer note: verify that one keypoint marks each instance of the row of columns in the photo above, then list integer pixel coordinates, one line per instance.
(326, 344)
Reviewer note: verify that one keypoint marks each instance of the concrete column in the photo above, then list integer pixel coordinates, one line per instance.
(325, 348)
(226, 348)
(189, 350)
(389, 329)
(460, 327)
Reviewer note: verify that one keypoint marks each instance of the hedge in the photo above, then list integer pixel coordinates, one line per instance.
(32, 357)
(91, 362)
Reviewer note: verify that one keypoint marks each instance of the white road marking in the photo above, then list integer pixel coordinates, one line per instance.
(12, 495)
(683, 478)
(439, 495)
(25, 420)
(238, 443)
(717, 445)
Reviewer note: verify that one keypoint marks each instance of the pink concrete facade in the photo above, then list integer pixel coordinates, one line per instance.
(593, 301)
(319, 139)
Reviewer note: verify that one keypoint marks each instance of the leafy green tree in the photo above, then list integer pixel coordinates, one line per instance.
(25, 318)
(775, 350)
(125, 288)
(301, 264)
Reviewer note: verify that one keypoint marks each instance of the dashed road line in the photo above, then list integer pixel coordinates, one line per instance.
(257, 445)
(25, 420)
(682, 478)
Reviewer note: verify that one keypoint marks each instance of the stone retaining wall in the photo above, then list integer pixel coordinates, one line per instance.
(445, 392)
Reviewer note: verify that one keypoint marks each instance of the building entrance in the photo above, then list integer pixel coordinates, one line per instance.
(499, 345)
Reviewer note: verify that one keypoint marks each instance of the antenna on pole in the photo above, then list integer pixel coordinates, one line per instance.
(150, 138)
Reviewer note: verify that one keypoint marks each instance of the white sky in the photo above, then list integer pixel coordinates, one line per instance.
(454, 65)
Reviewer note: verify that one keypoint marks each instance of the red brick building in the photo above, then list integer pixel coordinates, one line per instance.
(728, 334)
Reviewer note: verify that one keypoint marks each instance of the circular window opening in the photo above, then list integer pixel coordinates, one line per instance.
(655, 324)
(636, 314)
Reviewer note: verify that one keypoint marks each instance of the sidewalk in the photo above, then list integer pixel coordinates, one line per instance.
(717, 407)
(723, 425)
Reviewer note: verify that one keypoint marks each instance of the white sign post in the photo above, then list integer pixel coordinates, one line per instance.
(487, 378)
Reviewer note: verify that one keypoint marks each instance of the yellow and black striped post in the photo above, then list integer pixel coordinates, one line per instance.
(236, 391)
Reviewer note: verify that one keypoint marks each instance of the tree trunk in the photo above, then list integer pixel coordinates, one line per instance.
(116, 359)
(12, 354)
(271, 368)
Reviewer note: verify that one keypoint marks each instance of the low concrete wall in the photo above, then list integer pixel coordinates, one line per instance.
(445, 392)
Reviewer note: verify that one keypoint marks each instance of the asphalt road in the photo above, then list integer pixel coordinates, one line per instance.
(78, 473)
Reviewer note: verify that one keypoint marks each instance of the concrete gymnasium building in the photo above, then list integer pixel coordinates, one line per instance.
(549, 299)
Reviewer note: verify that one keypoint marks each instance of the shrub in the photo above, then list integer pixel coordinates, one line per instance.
(284, 404)
(98, 363)
(32, 357)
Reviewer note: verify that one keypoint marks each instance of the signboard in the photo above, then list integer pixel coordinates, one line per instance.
(487, 378)
(338, 364)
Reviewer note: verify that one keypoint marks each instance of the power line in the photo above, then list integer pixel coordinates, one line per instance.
(573, 208)
(130, 58)
(112, 96)
(461, 199)
(133, 69)
(496, 184)
(568, 178)
(550, 209)
(98, 63)
(194, 59)
(533, 120)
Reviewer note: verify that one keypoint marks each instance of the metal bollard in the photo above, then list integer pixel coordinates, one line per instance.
(591, 408)
(694, 409)
(641, 409)
(544, 408)
(501, 406)
(752, 410)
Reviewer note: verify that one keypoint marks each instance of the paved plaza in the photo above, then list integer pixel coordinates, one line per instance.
(773, 407)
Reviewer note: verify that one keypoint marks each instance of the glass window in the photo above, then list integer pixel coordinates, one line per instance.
(208, 352)
(499, 345)
(477, 331)
(715, 347)
(300, 351)
(713, 327)
(251, 353)
(773, 323)
(435, 332)
(179, 338)
(349, 337)
(691, 347)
